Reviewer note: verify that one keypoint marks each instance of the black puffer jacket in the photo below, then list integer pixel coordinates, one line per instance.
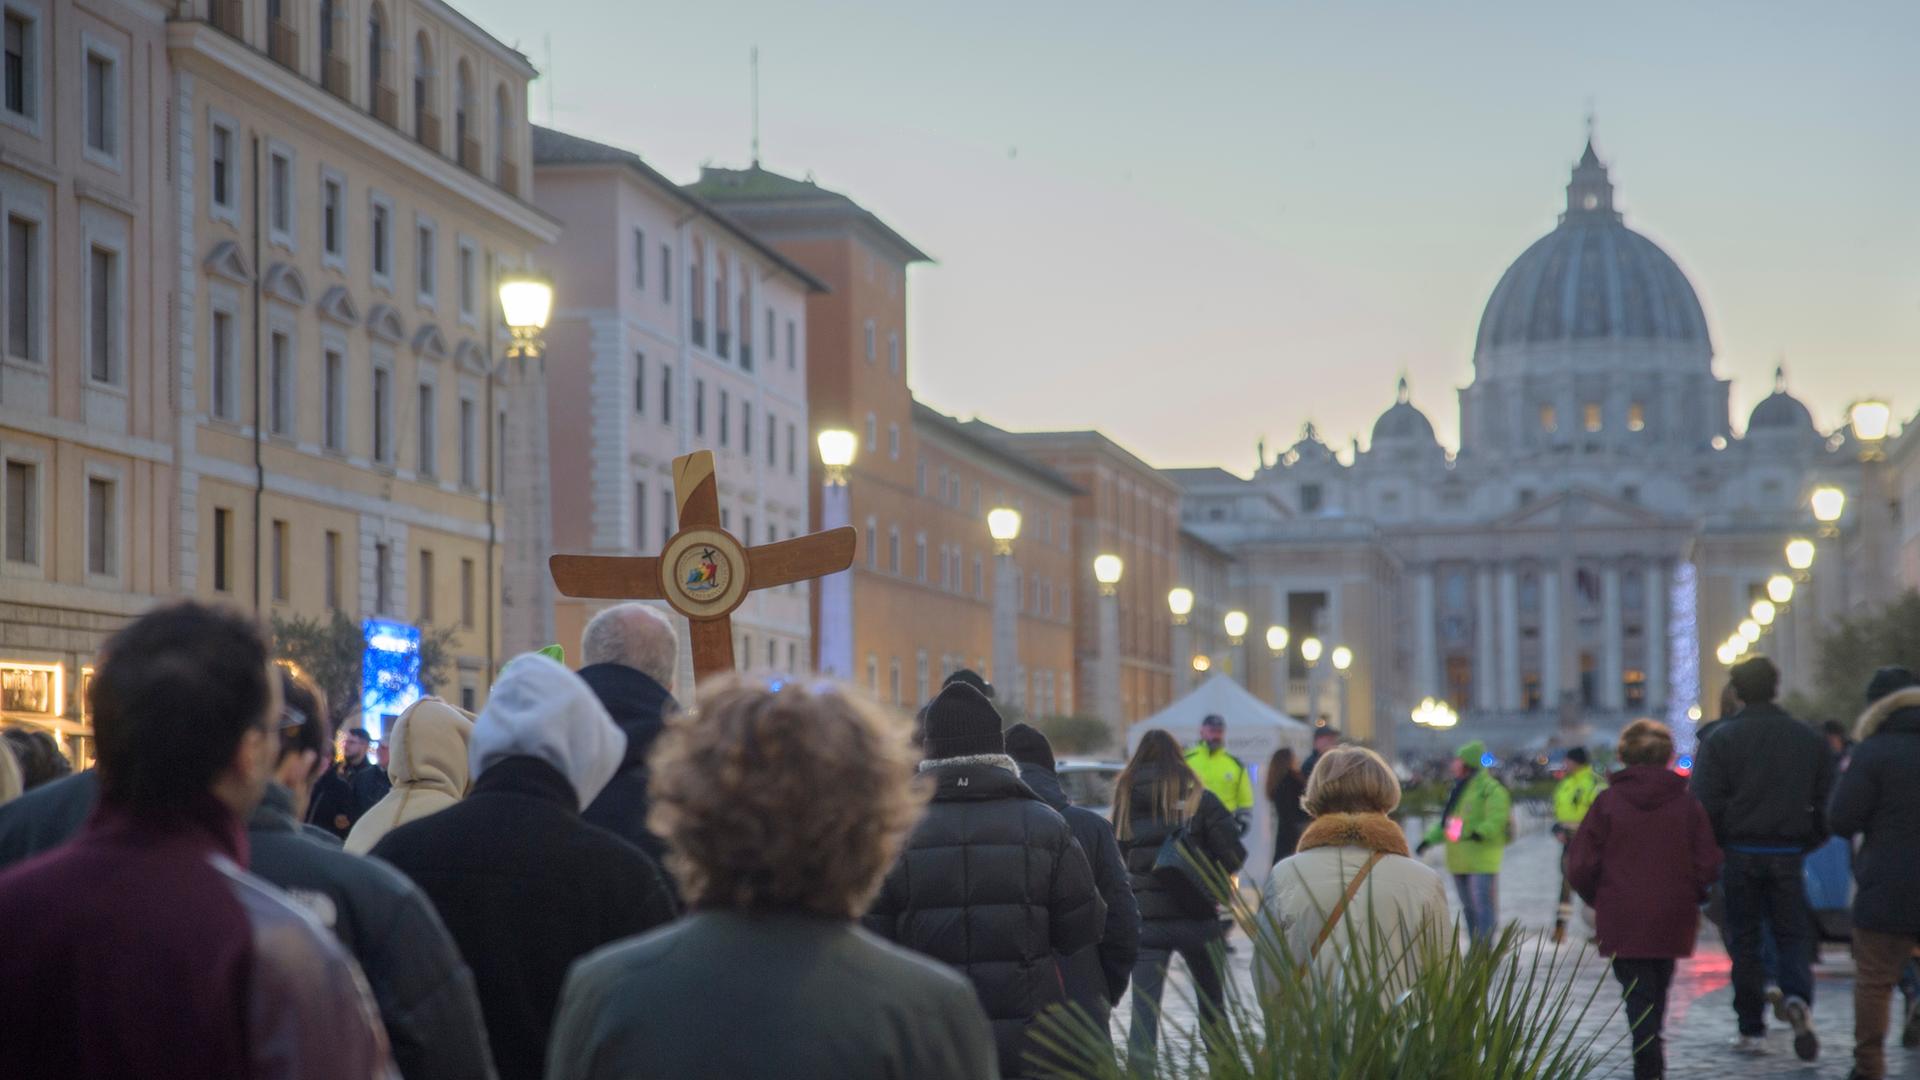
(424, 990)
(639, 705)
(1096, 977)
(993, 883)
(1213, 835)
(1765, 778)
(1879, 795)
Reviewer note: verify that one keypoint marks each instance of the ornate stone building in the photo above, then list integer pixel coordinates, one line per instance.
(1601, 527)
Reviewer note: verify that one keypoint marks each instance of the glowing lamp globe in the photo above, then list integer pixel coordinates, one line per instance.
(1003, 524)
(526, 302)
(1235, 624)
(1277, 639)
(1780, 589)
(1180, 601)
(1107, 569)
(1870, 420)
(1828, 504)
(836, 447)
(1800, 554)
(1750, 630)
(1201, 663)
(1342, 658)
(1310, 650)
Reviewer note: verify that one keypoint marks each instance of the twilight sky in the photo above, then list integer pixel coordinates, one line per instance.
(1195, 225)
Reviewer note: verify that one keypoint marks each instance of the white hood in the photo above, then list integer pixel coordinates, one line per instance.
(541, 710)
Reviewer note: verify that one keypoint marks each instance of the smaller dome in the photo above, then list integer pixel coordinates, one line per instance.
(1780, 411)
(1309, 450)
(1403, 422)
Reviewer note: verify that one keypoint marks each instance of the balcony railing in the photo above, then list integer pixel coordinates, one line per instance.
(470, 154)
(335, 76)
(507, 175)
(386, 105)
(283, 44)
(427, 129)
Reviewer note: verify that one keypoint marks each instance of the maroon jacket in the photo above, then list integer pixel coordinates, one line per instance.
(1644, 858)
(142, 949)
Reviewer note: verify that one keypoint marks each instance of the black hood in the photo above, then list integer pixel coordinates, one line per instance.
(1045, 784)
(637, 702)
(1648, 787)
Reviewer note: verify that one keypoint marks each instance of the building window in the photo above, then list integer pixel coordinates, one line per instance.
(1590, 416)
(873, 675)
(640, 384)
(221, 179)
(893, 679)
(873, 433)
(222, 548)
(425, 124)
(746, 428)
(468, 469)
(103, 309)
(893, 351)
(666, 517)
(332, 201)
(22, 57)
(23, 512)
(770, 345)
(725, 419)
(377, 60)
(922, 685)
(873, 546)
(280, 385)
(666, 274)
(466, 593)
(330, 571)
(869, 341)
(666, 394)
(280, 555)
(791, 456)
(639, 258)
(640, 533)
(1636, 417)
(773, 444)
(280, 197)
(425, 587)
(424, 244)
(1311, 498)
(102, 535)
(466, 280)
(792, 352)
(221, 366)
(382, 416)
(469, 699)
(429, 432)
(382, 578)
(699, 406)
(382, 241)
(893, 550)
(1549, 422)
(893, 441)
(1630, 493)
(333, 403)
(103, 90)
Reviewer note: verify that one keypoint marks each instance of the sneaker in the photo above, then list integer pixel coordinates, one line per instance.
(1805, 1043)
(1750, 1045)
(1910, 1034)
(1779, 1002)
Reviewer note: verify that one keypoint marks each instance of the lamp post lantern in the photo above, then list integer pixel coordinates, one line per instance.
(836, 590)
(526, 598)
(1106, 572)
(1235, 624)
(1310, 650)
(1342, 659)
(1277, 638)
(1180, 604)
(1003, 524)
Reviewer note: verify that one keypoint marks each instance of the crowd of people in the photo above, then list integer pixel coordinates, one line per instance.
(586, 881)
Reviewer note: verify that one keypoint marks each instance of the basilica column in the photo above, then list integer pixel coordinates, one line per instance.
(1550, 639)
(1655, 636)
(1486, 667)
(1425, 672)
(1612, 695)
(1509, 639)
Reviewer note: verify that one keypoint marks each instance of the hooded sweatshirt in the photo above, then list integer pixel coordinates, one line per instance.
(429, 769)
(1644, 858)
(523, 884)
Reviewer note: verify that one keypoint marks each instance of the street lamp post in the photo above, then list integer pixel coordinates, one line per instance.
(1277, 649)
(836, 590)
(526, 599)
(1106, 572)
(1870, 421)
(1235, 624)
(1830, 584)
(1342, 658)
(1180, 603)
(1310, 650)
(1003, 524)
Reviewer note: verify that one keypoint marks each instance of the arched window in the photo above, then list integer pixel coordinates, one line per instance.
(462, 112)
(376, 56)
(423, 118)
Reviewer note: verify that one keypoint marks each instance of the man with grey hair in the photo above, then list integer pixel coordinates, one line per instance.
(630, 651)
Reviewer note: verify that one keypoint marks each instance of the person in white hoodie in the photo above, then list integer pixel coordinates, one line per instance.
(1353, 888)
(429, 770)
(524, 885)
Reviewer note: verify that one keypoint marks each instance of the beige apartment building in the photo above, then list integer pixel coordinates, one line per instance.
(88, 487)
(351, 177)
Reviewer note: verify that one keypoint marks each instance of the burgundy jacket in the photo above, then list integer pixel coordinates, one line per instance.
(142, 949)
(1644, 858)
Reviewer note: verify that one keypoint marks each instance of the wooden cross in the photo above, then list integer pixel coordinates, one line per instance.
(703, 572)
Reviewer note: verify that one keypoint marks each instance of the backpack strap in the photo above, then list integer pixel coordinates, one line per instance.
(1339, 910)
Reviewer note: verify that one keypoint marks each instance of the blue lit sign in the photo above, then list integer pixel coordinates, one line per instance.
(389, 673)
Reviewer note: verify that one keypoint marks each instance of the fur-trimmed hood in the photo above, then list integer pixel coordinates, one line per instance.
(1887, 709)
(1374, 832)
(998, 761)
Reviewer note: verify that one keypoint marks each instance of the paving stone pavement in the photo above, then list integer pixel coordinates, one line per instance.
(1700, 1021)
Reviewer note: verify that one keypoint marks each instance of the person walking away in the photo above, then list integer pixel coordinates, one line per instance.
(142, 949)
(430, 773)
(1156, 797)
(1765, 779)
(1475, 827)
(1324, 739)
(1352, 888)
(1878, 799)
(630, 652)
(1286, 786)
(421, 986)
(524, 886)
(1644, 858)
(1097, 976)
(781, 810)
(991, 881)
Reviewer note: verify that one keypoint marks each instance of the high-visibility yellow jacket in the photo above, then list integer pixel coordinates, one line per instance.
(1224, 775)
(1575, 795)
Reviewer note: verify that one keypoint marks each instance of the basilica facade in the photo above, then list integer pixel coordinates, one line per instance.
(1602, 526)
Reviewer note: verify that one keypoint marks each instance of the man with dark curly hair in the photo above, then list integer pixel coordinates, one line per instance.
(781, 808)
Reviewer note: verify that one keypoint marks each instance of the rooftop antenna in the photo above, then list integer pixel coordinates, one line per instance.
(754, 63)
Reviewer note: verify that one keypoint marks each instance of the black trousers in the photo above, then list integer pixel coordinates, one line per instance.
(1767, 896)
(1644, 985)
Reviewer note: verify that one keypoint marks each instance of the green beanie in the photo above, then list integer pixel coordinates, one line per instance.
(1471, 753)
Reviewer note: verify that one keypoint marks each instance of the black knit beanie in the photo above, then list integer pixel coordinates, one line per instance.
(1029, 746)
(1889, 680)
(971, 678)
(961, 722)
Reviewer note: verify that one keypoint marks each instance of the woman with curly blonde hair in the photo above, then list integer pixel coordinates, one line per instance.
(782, 806)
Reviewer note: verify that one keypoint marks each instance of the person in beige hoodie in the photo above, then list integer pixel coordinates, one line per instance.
(430, 771)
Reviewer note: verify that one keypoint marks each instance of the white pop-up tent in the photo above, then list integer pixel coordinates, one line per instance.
(1255, 730)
